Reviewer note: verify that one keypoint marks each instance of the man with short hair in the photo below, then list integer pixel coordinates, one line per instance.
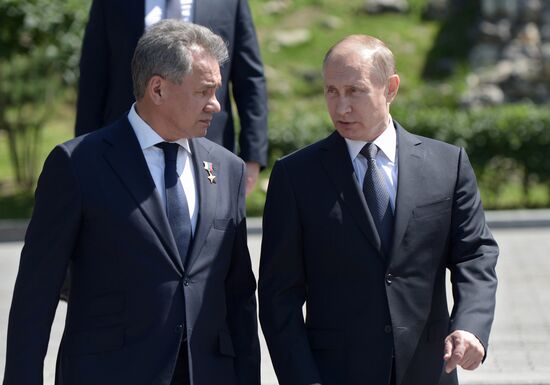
(361, 226)
(152, 217)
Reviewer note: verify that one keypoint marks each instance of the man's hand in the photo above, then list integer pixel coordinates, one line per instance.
(464, 349)
(252, 172)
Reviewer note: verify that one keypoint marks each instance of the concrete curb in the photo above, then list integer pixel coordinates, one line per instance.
(13, 230)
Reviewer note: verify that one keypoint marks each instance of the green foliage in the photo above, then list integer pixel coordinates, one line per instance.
(39, 46)
(506, 145)
(16, 205)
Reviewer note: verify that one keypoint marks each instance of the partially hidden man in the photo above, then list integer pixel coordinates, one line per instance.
(361, 227)
(152, 217)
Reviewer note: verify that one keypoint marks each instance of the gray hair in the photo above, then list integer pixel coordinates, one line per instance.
(381, 57)
(166, 49)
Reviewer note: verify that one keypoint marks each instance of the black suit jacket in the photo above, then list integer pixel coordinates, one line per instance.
(106, 91)
(132, 302)
(320, 247)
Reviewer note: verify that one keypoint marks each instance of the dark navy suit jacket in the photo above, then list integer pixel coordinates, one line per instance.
(131, 301)
(364, 307)
(105, 88)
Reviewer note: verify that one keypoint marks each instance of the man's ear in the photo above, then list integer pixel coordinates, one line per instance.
(155, 89)
(392, 88)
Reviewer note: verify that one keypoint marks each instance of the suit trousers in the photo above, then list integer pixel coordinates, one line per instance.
(181, 372)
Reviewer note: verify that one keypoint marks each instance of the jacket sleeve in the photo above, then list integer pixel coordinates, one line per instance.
(282, 284)
(49, 244)
(249, 88)
(473, 258)
(241, 300)
(94, 73)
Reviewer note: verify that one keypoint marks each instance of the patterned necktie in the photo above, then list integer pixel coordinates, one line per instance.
(377, 197)
(173, 9)
(177, 209)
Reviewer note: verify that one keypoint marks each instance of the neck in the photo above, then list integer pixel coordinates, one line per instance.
(152, 118)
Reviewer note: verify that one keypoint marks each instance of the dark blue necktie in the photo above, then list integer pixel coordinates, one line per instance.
(177, 209)
(378, 197)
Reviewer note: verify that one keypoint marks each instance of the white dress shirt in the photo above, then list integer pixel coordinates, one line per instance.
(154, 11)
(386, 159)
(154, 157)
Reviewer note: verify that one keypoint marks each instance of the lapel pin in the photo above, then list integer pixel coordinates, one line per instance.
(210, 170)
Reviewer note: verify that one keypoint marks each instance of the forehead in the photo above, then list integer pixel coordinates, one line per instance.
(347, 68)
(205, 68)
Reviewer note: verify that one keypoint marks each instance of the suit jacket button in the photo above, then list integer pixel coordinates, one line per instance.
(387, 329)
(179, 328)
(389, 278)
(185, 282)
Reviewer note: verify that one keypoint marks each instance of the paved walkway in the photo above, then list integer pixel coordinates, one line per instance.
(519, 343)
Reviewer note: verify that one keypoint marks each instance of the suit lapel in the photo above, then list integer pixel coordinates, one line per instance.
(126, 158)
(207, 194)
(337, 163)
(410, 157)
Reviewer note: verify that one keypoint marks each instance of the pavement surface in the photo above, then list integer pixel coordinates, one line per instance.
(521, 333)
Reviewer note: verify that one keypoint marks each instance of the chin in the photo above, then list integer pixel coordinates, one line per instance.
(349, 133)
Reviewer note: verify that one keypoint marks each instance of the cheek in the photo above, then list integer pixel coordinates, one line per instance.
(330, 106)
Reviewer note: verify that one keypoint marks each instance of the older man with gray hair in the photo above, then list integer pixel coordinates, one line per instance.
(152, 217)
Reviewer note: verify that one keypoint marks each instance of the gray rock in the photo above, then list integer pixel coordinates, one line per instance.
(383, 6)
(512, 52)
(483, 55)
(545, 32)
(517, 50)
(494, 9)
(293, 37)
(530, 9)
(490, 9)
(500, 31)
(510, 8)
(529, 34)
(275, 7)
(545, 15)
(483, 95)
(331, 22)
(545, 53)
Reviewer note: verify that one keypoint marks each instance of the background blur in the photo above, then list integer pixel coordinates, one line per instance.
(473, 72)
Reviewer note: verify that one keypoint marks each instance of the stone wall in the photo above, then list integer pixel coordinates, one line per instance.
(510, 61)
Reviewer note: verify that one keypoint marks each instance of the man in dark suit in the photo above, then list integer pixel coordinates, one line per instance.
(152, 217)
(105, 88)
(361, 226)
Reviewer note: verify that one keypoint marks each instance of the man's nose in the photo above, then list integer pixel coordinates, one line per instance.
(213, 105)
(343, 105)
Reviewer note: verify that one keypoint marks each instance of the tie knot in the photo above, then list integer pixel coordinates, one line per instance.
(369, 151)
(170, 151)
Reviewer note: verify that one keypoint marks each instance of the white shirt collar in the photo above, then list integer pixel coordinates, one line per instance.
(386, 142)
(146, 135)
